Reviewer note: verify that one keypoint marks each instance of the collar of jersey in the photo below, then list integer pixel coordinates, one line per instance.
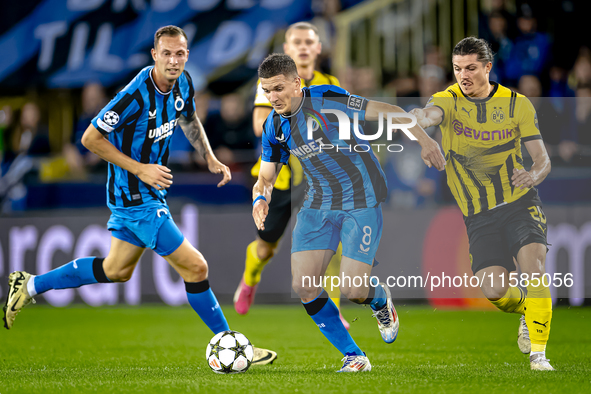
(307, 82)
(156, 86)
(481, 100)
(299, 108)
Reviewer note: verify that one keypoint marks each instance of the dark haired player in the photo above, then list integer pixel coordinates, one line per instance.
(483, 125)
(133, 134)
(302, 44)
(345, 190)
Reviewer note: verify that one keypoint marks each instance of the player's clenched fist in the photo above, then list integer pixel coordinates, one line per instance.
(260, 210)
(155, 175)
(422, 120)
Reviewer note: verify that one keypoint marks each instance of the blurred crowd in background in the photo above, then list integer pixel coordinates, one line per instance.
(528, 59)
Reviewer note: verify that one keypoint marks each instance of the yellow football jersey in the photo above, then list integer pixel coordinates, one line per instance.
(481, 139)
(294, 167)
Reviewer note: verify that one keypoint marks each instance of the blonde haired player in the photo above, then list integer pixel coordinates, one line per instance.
(302, 44)
(483, 125)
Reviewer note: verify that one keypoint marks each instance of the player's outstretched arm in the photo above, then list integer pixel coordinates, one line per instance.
(193, 129)
(431, 153)
(427, 117)
(261, 192)
(154, 175)
(539, 170)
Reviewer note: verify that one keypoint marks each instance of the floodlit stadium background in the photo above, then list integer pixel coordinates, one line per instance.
(63, 60)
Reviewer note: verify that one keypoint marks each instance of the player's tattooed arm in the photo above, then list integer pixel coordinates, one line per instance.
(262, 190)
(539, 170)
(193, 129)
(430, 153)
(154, 175)
(195, 133)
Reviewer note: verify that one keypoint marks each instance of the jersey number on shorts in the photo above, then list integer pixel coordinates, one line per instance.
(366, 239)
(538, 215)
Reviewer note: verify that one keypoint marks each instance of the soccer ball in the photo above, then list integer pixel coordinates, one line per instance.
(229, 352)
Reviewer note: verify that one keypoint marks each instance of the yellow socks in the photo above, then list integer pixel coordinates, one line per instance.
(512, 302)
(538, 315)
(254, 266)
(334, 269)
(537, 308)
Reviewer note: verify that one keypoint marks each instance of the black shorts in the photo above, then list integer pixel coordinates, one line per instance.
(283, 202)
(496, 236)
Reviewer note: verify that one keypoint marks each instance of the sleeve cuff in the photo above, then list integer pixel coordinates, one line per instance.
(531, 138)
(364, 104)
(442, 111)
(270, 160)
(102, 127)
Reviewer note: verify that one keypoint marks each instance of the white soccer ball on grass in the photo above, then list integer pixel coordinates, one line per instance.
(229, 352)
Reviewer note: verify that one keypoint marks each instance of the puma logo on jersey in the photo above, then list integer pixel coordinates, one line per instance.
(466, 111)
(163, 131)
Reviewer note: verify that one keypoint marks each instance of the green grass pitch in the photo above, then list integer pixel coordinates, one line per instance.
(159, 349)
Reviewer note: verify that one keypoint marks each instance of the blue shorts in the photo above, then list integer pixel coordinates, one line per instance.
(359, 230)
(148, 227)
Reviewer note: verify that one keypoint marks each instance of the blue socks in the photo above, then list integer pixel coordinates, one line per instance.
(89, 270)
(83, 271)
(206, 305)
(326, 316)
(377, 297)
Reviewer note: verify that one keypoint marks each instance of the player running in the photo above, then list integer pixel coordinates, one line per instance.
(345, 190)
(133, 133)
(303, 45)
(483, 125)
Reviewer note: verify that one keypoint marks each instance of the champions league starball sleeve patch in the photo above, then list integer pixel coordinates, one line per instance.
(110, 119)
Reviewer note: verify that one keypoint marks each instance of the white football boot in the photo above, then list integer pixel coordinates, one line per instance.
(388, 322)
(539, 362)
(355, 364)
(17, 297)
(263, 356)
(523, 336)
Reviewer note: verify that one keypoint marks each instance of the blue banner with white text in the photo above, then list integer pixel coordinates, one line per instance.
(65, 43)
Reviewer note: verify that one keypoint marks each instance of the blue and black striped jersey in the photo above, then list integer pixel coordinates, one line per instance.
(139, 122)
(341, 174)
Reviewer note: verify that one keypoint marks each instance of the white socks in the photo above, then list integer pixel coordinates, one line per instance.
(31, 286)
